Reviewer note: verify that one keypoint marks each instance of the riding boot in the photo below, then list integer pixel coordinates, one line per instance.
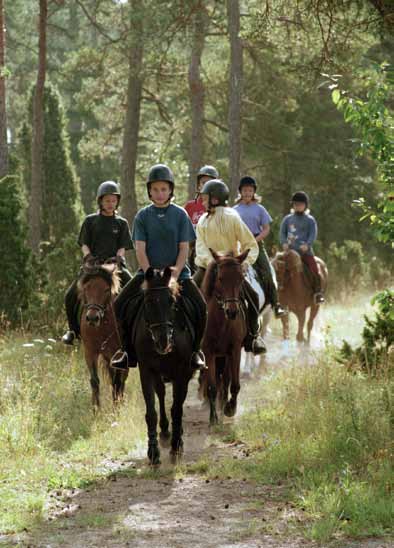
(71, 304)
(318, 296)
(253, 341)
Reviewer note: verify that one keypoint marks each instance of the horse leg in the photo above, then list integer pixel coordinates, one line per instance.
(147, 385)
(163, 421)
(211, 390)
(179, 396)
(225, 384)
(233, 365)
(92, 361)
(301, 322)
(285, 326)
(312, 315)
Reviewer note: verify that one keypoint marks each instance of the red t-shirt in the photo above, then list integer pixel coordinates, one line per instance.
(195, 209)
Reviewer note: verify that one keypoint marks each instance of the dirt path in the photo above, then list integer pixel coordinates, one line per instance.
(174, 509)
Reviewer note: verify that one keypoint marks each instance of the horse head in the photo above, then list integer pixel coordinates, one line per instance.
(97, 286)
(160, 296)
(228, 281)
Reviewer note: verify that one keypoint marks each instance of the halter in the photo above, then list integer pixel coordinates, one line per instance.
(98, 307)
(222, 302)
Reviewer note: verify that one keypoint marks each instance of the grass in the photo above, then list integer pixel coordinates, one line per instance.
(328, 435)
(49, 437)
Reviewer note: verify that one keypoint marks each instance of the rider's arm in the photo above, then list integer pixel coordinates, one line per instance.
(121, 252)
(140, 251)
(203, 255)
(85, 250)
(264, 232)
(312, 232)
(283, 232)
(181, 259)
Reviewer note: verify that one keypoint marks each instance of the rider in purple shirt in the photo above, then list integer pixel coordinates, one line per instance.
(258, 220)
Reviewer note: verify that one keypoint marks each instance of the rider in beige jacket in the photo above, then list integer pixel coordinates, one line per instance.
(222, 230)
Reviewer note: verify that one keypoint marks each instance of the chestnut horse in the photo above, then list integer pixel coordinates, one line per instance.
(295, 290)
(163, 345)
(225, 332)
(98, 286)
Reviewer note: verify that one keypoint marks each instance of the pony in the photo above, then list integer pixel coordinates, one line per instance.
(295, 291)
(162, 341)
(225, 332)
(97, 286)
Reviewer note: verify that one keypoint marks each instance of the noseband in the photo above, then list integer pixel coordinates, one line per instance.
(222, 302)
(98, 308)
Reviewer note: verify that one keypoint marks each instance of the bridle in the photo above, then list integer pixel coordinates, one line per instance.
(168, 324)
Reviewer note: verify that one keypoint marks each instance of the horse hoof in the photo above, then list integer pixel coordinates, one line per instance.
(154, 456)
(165, 438)
(230, 410)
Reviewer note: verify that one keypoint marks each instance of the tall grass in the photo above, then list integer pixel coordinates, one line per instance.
(49, 436)
(329, 434)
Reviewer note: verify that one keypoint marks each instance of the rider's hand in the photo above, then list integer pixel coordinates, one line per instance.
(304, 248)
(89, 258)
(174, 274)
(120, 261)
(285, 247)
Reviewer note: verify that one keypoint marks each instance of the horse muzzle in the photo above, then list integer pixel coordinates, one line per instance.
(163, 337)
(231, 308)
(94, 314)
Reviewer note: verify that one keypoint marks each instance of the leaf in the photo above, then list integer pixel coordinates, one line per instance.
(336, 95)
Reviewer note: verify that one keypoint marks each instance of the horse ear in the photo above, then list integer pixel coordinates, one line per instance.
(243, 256)
(149, 273)
(167, 273)
(214, 255)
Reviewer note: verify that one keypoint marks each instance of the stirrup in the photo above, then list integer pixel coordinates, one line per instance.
(318, 298)
(69, 337)
(197, 361)
(120, 361)
(279, 311)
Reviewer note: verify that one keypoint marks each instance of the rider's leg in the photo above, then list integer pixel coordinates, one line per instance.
(126, 306)
(311, 263)
(124, 276)
(253, 341)
(263, 269)
(190, 290)
(198, 276)
(71, 302)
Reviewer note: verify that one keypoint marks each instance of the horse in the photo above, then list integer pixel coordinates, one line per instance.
(295, 291)
(163, 347)
(225, 332)
(98, 286)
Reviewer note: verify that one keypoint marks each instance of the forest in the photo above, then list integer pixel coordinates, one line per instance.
(295, 93)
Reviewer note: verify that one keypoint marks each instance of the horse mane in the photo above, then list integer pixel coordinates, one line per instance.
(157, 283)
(112, 278)
(208, 283)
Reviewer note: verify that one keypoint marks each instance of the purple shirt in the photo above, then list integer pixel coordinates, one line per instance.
(254, 216)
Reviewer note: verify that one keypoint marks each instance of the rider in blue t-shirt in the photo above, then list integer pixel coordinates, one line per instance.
(258, 220)
(161, 235)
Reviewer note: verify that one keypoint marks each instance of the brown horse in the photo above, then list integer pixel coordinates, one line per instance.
(295, 290)
(225, 332)
(98, 286)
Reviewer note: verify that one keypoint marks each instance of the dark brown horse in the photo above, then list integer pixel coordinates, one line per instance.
(225, 332)
(295, 290)
(98, 286)
(163, 345)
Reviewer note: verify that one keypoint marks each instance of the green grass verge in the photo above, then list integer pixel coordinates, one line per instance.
(329, 435)
(49, 437)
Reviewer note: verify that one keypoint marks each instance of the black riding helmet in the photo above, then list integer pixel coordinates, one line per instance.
(208, 171)
(300, 196)
(216, 188)
(108, 187)
(160, 172)
(247, 181)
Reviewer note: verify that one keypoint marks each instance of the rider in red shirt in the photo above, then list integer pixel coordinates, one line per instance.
(195, 207)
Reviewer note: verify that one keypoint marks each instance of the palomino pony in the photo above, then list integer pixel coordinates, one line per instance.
(225, 332)
(163, 345)
(98, 286)
(295, 291)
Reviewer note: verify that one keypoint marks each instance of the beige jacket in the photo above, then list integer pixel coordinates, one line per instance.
(223, 231)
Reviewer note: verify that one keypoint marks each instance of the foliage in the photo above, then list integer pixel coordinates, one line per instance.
(373, 121)
(328, 435)
(347, 266)
(49, 437)
(15, 277)
(375, 355)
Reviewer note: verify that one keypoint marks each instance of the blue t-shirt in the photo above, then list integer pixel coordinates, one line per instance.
(296, 230)
(254, 216)
(163, 229)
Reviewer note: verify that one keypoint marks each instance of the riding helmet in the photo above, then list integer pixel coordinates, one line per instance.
(160, 172)
(108, 187)
(208, 171)
(216, 188)
(300, 196)
(247, 181)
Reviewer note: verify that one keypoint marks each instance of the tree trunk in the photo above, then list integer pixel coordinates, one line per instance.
(235, 94)
(197, 92)
(132, 120)
(3, 111)
(38, 135)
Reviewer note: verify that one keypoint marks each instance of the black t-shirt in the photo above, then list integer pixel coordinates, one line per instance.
(105, 235)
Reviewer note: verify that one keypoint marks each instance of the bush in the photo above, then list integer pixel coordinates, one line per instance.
(347, 267)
